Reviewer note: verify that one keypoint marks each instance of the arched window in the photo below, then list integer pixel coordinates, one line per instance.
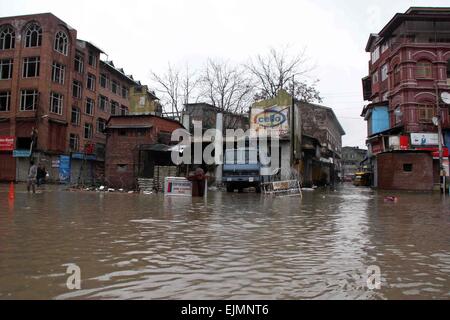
(397, 75)
(424, 69)
(7, 38)
(61, 43)
(33, 35)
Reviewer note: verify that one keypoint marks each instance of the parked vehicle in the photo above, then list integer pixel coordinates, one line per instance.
(242, 170)
(362, 179)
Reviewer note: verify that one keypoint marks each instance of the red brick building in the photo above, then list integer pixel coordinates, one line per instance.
(410, 63)
(56, 84)
(135, 145)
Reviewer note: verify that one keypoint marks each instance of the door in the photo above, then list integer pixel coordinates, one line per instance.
(7, 167)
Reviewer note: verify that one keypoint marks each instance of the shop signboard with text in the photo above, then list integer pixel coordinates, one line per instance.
(6, 143)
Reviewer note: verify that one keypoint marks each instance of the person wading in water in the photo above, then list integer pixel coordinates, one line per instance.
(32, 176)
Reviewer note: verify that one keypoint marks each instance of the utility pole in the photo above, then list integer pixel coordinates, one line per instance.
(439, 125)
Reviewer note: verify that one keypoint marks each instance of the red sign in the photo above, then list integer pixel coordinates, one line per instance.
(435, 152)
(404, 142)
(89, 148)
(6, 143)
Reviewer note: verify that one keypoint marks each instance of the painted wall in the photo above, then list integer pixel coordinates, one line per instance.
(379, 120)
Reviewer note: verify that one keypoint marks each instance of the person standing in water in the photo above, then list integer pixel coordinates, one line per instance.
(32, 176)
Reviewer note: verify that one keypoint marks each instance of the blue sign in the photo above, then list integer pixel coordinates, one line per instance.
(21, 153)
(82, 156)
(64, 169)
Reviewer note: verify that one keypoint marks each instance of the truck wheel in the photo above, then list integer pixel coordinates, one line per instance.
(230, 189)
(258, 189)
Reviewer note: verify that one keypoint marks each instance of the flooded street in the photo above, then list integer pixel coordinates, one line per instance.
(232, 246)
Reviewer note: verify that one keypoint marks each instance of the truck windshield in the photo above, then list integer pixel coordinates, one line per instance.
(243, 156)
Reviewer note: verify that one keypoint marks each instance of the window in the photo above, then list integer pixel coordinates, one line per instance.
(7, 38)
(397, 75)
(5, 100)
(448, 72)
(101, 125)
(384, 47)
(114, 86)
(56, 103)
(384, 72)
(426, 113)
(6, 68)
(92, 59)
(61, 43)
(398, 115)
(74, 142)
(424, 69)
(33, 36)
(79, 63)
(103, 103)
(407, 167)
(123, 133)
(76, 89)
(75, 118)
(31, 67)
(58, 73)
(123, 110)
(124, 93)
(375, 77)
(90, 104)
(376, 54)
(28, 100)
(114, 107)
(88, 131)
(91, 82)
(104, 81)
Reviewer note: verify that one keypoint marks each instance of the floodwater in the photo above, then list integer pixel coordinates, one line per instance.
(230, 246)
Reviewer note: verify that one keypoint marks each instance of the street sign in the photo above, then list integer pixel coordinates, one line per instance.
(174, 186)
(6, 143)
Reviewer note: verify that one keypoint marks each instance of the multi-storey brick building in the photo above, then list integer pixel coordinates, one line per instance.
(409, 69)
(56, 96)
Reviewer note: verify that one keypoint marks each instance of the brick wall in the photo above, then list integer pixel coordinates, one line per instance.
(392, 176)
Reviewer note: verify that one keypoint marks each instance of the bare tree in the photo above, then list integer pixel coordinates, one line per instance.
(168, 84)
(176, 88)
(226, 86)
(280, 70)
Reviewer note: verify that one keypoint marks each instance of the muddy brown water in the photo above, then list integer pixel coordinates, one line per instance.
(230, 246)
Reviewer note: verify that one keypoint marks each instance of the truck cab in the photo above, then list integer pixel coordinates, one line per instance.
(241, 170)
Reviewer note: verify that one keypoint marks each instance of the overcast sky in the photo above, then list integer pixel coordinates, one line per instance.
(145, 35)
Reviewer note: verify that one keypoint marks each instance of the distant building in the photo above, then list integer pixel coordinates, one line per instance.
(135, 145)
(207, 115)
(352, 158)
(143, 101)
(410, 63)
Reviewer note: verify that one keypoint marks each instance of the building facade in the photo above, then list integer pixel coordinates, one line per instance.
(143, 101)
(352, 158)
(56, 95)
(135, 145)
(322, 144)
(409, 69)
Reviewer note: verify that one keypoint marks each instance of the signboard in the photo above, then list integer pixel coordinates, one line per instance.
(64, 169)
(424, 139)
(6, 143)
(55, 163)
(21, 153)
(274, 120)
(435, 152)
(445, 164)
(82, 156)
(177, 187)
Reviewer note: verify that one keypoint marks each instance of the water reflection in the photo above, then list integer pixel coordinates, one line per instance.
(230, 246)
